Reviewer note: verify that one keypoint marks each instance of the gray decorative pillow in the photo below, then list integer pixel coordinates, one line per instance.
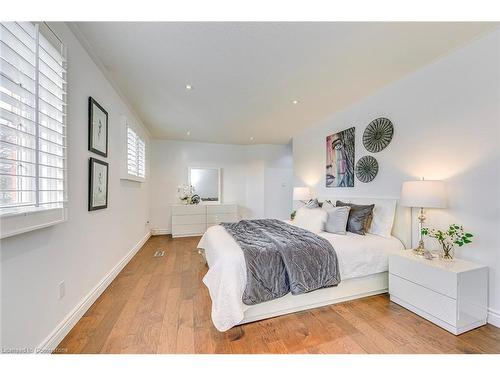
(312, 203)
(360, 217)
(336, 221)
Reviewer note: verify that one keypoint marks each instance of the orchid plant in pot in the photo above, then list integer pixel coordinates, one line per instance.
(185, 193)
(454, 235)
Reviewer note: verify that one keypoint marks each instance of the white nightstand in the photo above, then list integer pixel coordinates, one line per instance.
(453, 295)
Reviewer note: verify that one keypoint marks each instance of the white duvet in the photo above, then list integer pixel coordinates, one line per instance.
(226, 278)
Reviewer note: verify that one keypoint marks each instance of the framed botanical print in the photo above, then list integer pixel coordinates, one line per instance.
(98, 128)
(98, 184)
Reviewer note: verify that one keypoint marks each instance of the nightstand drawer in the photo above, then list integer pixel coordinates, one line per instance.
(438, 305)
(419, 271)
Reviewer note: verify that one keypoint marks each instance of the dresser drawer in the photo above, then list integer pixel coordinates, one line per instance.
(189, 210)
(417, 270)
(188, 229)
(188, 219)
(222, 209)
(433, 303)
(219, 218)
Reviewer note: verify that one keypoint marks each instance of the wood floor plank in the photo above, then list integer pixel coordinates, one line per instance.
(185, 332)
(342, 345)
(115, 342)
(277, 347)
(170, 323)
(160, 305)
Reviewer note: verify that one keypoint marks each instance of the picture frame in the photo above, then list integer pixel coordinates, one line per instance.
(340, 152)
(98, 128)
(98, 184)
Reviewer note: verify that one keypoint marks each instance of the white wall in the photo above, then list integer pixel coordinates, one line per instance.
(85, 248)
(447, 126)
(243, 176)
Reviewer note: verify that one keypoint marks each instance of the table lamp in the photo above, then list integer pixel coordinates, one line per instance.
(423, 194)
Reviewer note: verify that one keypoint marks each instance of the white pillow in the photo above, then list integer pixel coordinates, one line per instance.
(311, 219)
(383, 215)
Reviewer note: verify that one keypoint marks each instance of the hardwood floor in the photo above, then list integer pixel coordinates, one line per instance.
(160, 305)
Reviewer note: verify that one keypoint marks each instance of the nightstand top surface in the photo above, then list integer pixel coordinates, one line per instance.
(456, 265)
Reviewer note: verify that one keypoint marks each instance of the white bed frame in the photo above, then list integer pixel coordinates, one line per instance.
(347, 290)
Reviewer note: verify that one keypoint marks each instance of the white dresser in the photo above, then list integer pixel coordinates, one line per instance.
(453, 295)
(193, 220)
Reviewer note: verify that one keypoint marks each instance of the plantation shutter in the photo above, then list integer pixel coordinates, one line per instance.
(32, 118)
(141, 158)
(136, 154)
(52, 120)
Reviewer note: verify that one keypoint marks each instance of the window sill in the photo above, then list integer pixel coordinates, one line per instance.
(16, 223)
(133, 178)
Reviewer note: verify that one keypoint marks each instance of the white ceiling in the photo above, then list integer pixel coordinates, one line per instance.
(246, 75)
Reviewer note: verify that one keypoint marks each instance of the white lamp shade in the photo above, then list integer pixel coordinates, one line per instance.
(301, 194)
(424, 193)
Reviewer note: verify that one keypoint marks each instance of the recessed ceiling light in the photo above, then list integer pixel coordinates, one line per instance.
(189, 87)
(295, 101)
(188, 133)
(251, 138)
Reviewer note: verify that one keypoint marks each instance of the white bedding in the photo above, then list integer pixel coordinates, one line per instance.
(226, 278)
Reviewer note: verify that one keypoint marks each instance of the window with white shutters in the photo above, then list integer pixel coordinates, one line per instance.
(32, 123)
(136, 155)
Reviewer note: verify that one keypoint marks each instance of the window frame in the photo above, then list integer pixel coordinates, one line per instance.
(35, 216)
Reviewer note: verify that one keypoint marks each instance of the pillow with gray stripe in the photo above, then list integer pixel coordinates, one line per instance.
(336, 221)
(360, 217)
(312, 203)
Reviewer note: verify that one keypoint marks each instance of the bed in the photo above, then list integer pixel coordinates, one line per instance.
(363, 265)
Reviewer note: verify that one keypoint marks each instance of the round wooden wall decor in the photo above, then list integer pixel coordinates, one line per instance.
(378, 134)
(366, 168)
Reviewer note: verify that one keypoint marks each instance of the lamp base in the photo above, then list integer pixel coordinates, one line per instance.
(420, 250)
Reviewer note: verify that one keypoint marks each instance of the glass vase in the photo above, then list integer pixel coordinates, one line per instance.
(447, 251)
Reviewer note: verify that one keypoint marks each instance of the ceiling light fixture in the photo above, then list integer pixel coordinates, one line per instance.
(189, 87)
(188, 133)
(295, 101)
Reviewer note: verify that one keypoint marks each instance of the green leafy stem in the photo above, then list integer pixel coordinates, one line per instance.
(454, 235)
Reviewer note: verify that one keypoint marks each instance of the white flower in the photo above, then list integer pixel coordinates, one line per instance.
(185, 191)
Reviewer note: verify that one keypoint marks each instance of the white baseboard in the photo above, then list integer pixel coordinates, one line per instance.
(63, 328)
(159, 232)
(494, 317)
